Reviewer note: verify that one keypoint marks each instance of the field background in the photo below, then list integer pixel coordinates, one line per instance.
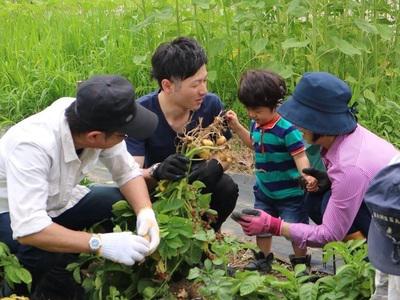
(47, 46)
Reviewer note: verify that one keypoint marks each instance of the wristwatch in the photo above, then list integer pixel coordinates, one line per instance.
(152, 169)
(95, 243)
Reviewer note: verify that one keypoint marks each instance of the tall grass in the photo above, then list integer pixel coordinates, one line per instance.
(46, 46)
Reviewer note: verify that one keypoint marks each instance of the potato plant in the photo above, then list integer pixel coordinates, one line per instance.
(353, 280)
(184, 218)
(11, 270)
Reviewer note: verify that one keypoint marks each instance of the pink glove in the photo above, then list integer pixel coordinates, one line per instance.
(256, 221)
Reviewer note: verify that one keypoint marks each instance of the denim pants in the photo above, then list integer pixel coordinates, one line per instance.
(96, 206)
(316, 204)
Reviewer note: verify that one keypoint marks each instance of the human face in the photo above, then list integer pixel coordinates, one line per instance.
(261, 114)
(189, 93)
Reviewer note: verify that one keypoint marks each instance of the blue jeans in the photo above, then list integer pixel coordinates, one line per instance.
(316, 204)
(47, 266)
(290, 209)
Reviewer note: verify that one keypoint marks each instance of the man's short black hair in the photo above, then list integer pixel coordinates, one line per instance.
(178, 59)
(76, 125)
(261, 88)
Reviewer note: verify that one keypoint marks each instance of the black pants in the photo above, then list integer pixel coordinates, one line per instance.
(50, 280)
(224, 194)
(316, 204)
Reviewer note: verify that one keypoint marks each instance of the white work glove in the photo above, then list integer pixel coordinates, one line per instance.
(123, 247)
(146, 225)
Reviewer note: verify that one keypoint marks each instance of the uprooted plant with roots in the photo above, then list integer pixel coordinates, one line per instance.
(184, 218)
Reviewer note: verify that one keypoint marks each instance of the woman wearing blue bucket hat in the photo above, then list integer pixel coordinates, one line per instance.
(351, 154)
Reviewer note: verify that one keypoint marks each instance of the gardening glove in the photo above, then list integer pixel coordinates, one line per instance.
(146, 226)
(209, 172)
(324, 183)
(123, 247)
(172, 168)
(256, 221)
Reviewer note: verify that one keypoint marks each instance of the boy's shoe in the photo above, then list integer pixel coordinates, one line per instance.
(306, 260)
(261, 263)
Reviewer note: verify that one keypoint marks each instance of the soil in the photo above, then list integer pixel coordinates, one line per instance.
(242, 161)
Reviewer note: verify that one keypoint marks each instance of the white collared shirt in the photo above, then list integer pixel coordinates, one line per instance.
(40, 170)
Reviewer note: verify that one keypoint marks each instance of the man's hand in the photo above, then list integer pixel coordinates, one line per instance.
(324, 183)
(146, 225)
(123, 247)
(256, 221)
(172, 168)
(208, 172)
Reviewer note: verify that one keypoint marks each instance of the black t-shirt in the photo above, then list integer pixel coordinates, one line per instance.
(164, 140)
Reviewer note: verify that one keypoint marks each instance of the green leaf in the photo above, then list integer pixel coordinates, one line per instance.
(250, 284)
(98, 282)
(201, 236)
(4, 250)
(174, 243)
(366, 26)
(170, 204)
(212, 76)
(308, 291)
(143, 284)
(385, 31)
(11, 274)
(368, 94)
(77, 275)
(149, 292)
(294, 43)
(345, 47)
(258, 45)
(215, 47)
(194, 273)
(296, 9)
(139, 59)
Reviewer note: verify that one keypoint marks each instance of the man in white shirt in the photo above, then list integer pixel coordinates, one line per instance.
(43, 209)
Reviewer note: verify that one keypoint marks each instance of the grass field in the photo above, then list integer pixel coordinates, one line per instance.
(46, 46)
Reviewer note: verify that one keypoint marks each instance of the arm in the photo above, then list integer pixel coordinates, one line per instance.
(238, 128)
(135, 192)
(347, 195)
(302, 162)
(150, 181)
(56, 238)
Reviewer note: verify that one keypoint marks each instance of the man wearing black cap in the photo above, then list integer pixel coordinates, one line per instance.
(43, 209)
(383, 200)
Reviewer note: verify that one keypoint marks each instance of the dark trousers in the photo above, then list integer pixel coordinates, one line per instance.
(316, 204)
(48, 268)
(224, 194)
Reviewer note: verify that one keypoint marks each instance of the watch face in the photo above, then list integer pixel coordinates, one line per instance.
(94, 243)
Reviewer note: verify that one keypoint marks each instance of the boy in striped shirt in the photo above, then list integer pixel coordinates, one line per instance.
(279, 155)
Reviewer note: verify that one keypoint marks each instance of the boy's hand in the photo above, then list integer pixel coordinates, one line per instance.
(232, 119)
(324, 183)
(311, 183)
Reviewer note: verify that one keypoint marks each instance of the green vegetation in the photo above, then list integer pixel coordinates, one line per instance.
(10, 269)
(46, 46)
(353, 280)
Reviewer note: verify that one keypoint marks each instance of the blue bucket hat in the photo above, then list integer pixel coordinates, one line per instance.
(383, 200)
(319, 103)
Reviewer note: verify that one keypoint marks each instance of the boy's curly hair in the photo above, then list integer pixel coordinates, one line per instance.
(261, 88)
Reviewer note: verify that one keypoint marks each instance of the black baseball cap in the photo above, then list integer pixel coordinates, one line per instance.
(107, 103)
(383, 200)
